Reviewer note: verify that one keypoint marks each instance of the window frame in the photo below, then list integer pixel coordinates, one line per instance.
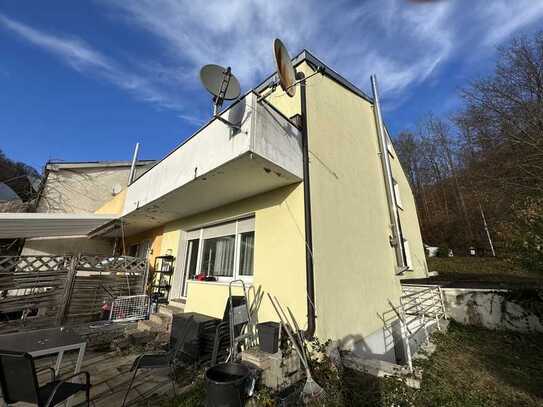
(397, 194)
(248, 226)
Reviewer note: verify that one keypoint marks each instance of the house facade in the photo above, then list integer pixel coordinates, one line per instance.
(78, 188)
(230, 204)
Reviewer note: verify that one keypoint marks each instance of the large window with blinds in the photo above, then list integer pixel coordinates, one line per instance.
(222, 252)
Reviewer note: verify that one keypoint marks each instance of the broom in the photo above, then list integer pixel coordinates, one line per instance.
(311, 390)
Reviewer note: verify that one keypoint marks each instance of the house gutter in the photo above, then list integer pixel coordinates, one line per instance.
(396, 240)
(309, 272)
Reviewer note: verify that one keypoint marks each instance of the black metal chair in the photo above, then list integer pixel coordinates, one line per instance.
(222, 336)
(19, 382)
(158, 360)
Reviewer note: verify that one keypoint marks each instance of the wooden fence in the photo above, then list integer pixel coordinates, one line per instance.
(39, 291)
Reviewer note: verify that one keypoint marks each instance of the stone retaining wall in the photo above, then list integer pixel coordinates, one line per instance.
(494, 309)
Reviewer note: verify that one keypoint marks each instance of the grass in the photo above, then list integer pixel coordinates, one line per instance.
(479, 367)
(482, 269)
(472, 367)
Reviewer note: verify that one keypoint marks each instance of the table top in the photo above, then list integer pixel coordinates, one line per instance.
(40, 340)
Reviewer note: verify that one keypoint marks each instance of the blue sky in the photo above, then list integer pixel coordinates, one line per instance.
(86, 80)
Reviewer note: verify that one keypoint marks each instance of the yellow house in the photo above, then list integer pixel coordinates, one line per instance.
(233, 204)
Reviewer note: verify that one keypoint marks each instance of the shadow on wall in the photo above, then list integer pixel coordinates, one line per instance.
(384, 344)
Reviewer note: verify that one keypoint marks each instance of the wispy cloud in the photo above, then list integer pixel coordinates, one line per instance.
(405, 43)
(85, 59)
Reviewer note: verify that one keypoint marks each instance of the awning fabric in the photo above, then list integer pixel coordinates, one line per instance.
(22, 225)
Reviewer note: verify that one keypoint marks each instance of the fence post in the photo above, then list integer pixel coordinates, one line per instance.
(68, 289)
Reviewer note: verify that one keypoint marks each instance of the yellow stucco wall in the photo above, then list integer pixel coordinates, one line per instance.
(114, 206)
(279, 257)
(354, 262)
(155, 237)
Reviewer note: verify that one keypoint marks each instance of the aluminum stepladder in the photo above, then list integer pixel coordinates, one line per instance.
(240, 315)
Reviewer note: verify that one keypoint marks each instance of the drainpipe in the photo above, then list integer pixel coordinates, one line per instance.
(310, 279)
(396, 239)
(133, 166)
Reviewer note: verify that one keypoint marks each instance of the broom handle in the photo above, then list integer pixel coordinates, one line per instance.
(287, 329)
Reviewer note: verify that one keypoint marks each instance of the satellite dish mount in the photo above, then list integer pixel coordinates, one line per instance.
(221, 83)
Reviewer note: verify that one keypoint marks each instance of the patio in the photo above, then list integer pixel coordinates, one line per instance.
(110, 375)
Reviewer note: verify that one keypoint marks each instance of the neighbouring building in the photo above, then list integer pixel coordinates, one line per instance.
(230, 204)
(77, 190)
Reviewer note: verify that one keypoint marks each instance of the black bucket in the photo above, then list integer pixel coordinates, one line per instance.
(227, 385)
(268, 336)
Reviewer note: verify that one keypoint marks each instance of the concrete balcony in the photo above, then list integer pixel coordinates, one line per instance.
(218, 165)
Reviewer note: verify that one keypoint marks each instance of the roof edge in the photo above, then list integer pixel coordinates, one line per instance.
(306, 55)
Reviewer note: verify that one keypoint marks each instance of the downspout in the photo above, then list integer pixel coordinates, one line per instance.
(133, 165)
(396, 239)
(310, 279)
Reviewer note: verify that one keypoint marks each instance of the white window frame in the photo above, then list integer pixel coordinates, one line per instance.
(248, 227)
(408, 258)
(397, 194)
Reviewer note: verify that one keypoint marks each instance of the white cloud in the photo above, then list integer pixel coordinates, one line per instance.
(84, 58)
(404, 42)
(505, 18)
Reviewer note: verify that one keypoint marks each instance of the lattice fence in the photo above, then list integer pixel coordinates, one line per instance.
(40, 291)
(31, 290)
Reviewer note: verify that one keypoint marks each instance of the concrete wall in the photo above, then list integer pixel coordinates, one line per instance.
(489, 309)
(279, 257)
(80, 190)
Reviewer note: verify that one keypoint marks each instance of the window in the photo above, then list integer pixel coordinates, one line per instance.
(408, 260)
(397, 195)
(223, 252)
(247, 242)
(192, 257)
(218, 256)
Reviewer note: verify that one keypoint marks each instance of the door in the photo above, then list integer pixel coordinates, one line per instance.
(191, 263)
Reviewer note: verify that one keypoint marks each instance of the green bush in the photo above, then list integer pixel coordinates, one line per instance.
(527, 232)
(443, 251)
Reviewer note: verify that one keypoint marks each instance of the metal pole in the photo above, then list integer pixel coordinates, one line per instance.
(487, 231)
(396, 240)
(133, 166)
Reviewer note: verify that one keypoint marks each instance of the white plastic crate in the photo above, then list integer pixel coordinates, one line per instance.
(130, 308)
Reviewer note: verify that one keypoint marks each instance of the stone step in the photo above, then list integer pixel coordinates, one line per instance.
(149, 325)
(161, 318)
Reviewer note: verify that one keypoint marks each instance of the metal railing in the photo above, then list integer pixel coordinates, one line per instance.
(421, 307)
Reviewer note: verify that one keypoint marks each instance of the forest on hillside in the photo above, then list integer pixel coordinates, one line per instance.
(18, 176)
(486, 159)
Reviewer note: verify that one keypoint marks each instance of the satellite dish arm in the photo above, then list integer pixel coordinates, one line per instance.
(320, 69)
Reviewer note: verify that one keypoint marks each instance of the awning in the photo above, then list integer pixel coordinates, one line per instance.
(22, 225)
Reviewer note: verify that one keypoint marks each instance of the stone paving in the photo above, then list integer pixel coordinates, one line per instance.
(110, 375)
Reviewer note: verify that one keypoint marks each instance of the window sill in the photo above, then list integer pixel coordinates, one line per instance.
(223, 283)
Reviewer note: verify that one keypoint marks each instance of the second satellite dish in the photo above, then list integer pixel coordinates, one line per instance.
(285, 69)
(220, 82)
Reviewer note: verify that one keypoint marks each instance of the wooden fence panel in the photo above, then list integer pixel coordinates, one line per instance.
(30, 290)
(63, 289)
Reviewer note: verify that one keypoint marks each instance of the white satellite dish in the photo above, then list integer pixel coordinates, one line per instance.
(221, 83)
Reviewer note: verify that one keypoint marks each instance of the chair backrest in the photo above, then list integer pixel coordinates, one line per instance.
(237, 300)
(190, 326)
(18, 377)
